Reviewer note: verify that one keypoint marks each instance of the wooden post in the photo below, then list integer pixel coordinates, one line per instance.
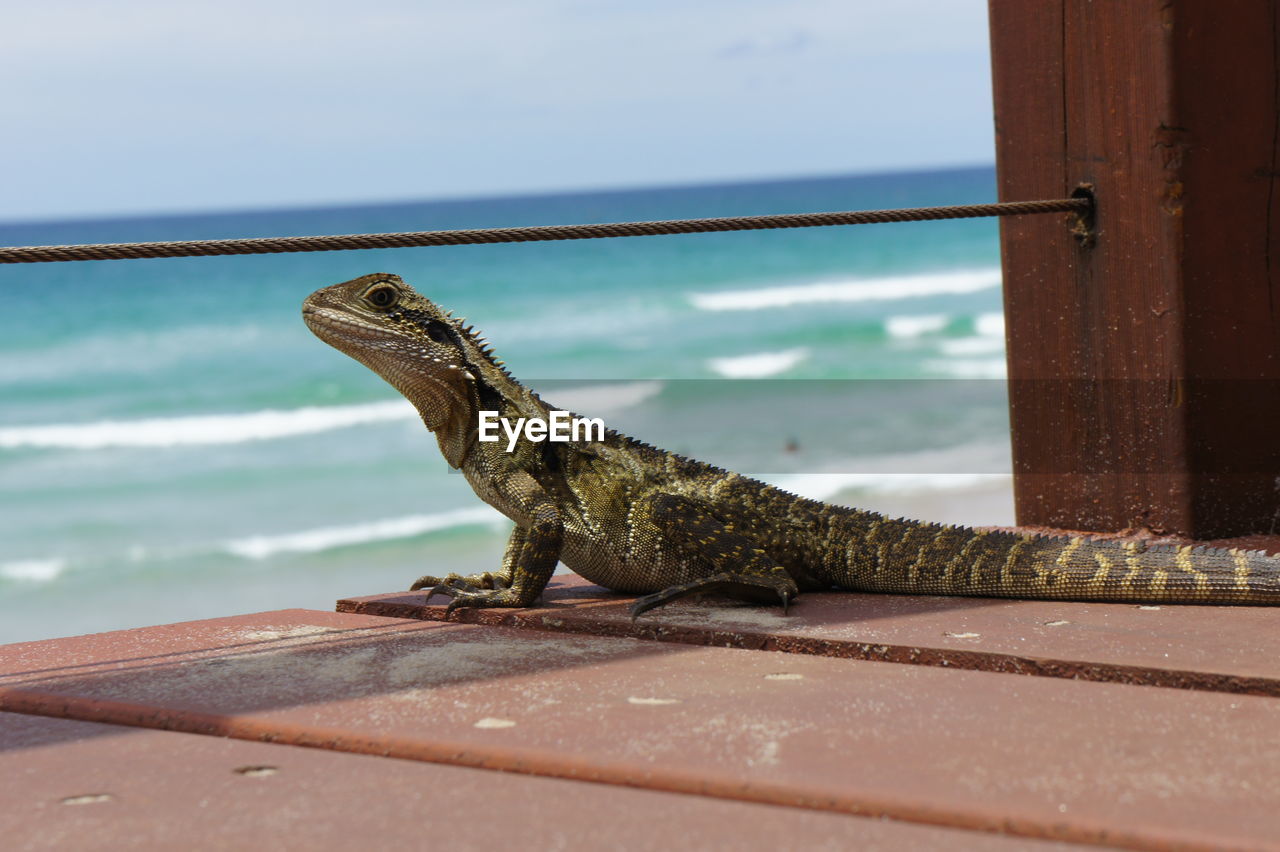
(1144, 359)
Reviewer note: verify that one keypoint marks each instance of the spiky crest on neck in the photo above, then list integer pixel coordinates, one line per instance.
(438, 362)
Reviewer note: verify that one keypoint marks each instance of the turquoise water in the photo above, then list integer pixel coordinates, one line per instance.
(175, 444)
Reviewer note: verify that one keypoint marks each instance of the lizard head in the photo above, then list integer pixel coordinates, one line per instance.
(420, 349)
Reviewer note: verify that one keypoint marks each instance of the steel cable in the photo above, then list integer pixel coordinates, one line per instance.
(268, 245)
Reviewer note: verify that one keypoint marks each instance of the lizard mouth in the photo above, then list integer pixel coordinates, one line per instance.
(338, 326)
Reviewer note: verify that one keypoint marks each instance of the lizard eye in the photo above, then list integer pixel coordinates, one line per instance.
(436, 333)
(382, 297)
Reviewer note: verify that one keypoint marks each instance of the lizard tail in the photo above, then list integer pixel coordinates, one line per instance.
(932, 559)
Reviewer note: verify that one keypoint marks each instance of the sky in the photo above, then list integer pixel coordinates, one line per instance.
(144, 106)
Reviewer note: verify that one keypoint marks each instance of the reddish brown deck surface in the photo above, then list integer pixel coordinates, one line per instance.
(1223, 649)
(392, 728)
(83, 785)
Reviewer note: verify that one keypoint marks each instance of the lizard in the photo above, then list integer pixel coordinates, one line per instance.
(639, 520)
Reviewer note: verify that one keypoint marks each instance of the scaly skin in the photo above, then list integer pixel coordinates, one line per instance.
(637, 519)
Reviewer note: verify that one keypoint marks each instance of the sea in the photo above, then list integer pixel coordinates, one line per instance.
(176, 445)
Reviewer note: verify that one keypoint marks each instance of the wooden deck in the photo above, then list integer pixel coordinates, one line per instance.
(858, 721)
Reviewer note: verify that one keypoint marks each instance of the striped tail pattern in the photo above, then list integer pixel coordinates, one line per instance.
(914, 558)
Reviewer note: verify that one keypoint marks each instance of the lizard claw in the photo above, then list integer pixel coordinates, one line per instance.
(482, 598)
(428, 580)
(646, 603)
(459, 596)
(443, 587)
(743, 587)
(463, 597)
(470, 582)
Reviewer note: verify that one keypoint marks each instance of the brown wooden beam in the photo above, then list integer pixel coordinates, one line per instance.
(1144, 360)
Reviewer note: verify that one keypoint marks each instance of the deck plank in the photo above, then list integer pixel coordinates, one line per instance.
(86, 785)
(1035, 757)
(1214, 648)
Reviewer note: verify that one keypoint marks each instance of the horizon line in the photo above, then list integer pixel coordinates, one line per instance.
(270, 209)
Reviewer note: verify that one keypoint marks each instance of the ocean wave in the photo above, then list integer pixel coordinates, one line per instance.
(274, 423)
(915, 325)
(329, 538)
(759, 365)
(129, 353)
(987, 339)
(824, 486)
(203, 429)
(989, 325)
(32, 570)
(857, 290)
(970, 368)
(976, 345)
(601, 399)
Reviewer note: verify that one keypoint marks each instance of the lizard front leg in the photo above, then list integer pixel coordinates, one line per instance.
(533, 559)
(742, 569)
(499, 579)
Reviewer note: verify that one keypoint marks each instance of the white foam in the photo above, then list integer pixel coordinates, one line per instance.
(989, 324)
(133, 352)
(859, 290)
(599, 400)
(824, 486)
(328, 538)
(206, 429)
(972, 346)
(275, 423)
(915, 325)
(970, 368)
(759, 365)
(33, 570)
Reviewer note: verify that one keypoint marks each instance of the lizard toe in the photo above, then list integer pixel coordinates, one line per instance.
(470, 583)
(484, 598)
(747, 587)
(424, 582)
(443, 588)
(657, 599)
